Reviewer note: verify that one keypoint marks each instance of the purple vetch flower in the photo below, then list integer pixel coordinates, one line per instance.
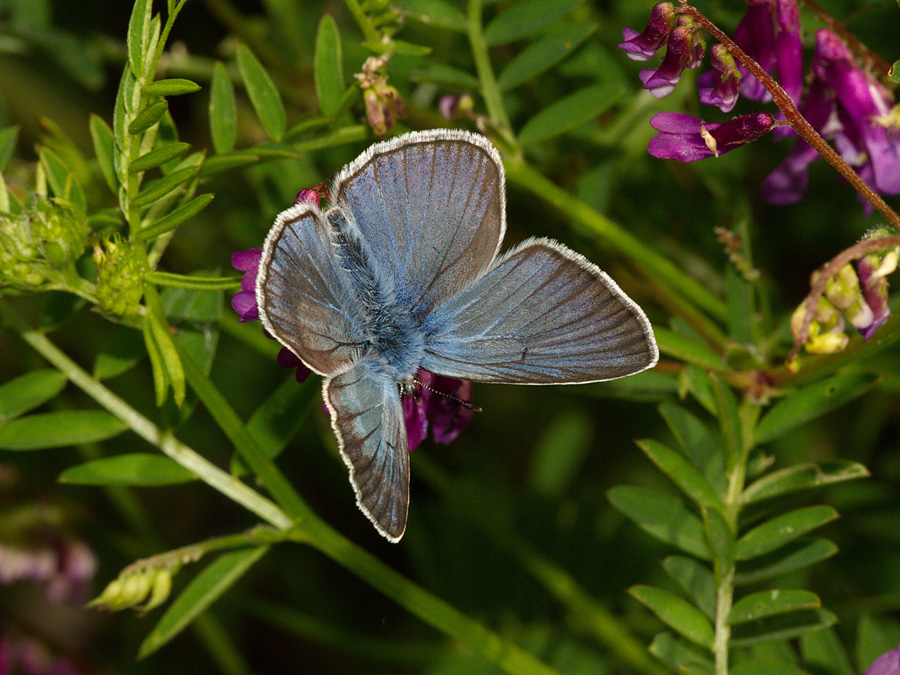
(688, 139)
(643, 46)
(685, 50)
(441, 404)
(789, 48)
(886, 664)
(720, 88)
(873, 270)
(29, 657)
(64, 565)
(755, 34)
(244, 303)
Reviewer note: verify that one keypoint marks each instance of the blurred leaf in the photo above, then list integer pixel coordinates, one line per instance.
(687, 349)
(699, 384)
(696, 580)
(28, 391)
(768, 603)
(874, 637)
(149, 116)
(202, 592)
(894, 72)
(666, 518)
(176, 218)
(780, 530)
(570, 112)
(328, 67)
(741, 311)
(756, 666)
(171, 87)
(700, 444)
(793, 556)
(8, 138)
(811, 402)
(194, 282)
(525, 19)
(673, 651)
(543, 54)
(409, 49)
(138, 37)
(59, 429)
(163, 186)
(134, 469)
(721, 541)
(104, 149)
(124, 350)
(437, 13)
(823, 650)
(729, 422)
(194, 314)
(228, 162)
(222, 110)
(803, 477)
(781, 626)
(676, 613)
(263, 94)
(156, 158)
(309, 124)
(445, 75)
(559, 453)
(62, 180)
(684, 474)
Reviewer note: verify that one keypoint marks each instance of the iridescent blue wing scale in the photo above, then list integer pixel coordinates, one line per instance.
(301, 295)
(367, 417)
(431, 206)
(543, 314)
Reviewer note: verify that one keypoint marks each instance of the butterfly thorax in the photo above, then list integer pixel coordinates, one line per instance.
(393, 338)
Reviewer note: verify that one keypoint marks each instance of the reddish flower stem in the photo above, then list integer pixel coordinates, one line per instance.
(803, 128)
(828, 270)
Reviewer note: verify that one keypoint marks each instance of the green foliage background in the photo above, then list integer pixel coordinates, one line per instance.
(513, 525)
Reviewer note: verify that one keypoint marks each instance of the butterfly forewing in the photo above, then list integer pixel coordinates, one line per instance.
(431, 208)
(302, 299)
(542, 315)
(367, 417)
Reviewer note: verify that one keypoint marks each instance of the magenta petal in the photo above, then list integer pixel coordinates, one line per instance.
(245, 260)
(448, 416)
(244, 303)
(886, 664)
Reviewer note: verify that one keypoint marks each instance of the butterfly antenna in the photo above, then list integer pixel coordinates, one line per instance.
(465, 404)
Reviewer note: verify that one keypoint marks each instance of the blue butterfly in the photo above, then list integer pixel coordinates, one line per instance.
(403, 272)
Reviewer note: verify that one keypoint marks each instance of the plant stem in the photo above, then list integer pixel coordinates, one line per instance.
(871, 58)
(645, 258)
(369, 33)
(493, 99)
(803, 128)
(173, 448)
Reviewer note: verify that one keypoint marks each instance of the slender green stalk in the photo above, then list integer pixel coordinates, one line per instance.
(368, 31)
(493, 99)
(644, 257)
(173, 448)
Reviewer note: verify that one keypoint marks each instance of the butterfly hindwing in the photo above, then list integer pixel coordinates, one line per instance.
(367, 416)
(542, 315)
(431, 206)
(303, 300)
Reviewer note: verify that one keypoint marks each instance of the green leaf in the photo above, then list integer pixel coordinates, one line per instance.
(823, 650)
(699, 383)
(228, 162)
(665, 517)
(124, 350)
(559, 453)
(793, 556)
(741, 311)
(721, 541)
(684, 474)
(696, 580)
(700, 444)
(149, 116)
(104, 149)
(176, 218)
(222, 110)
(163, 186)
(811, 402)
(409, 49)
(894, 72)
(263, 95)
(525, 19)
(437, 13)
(687, 349)
(62, 179)
(171, 87)
(875, 636)
(543, 54)
(780, 530)
(135, 469)
(28, 391)
(781, 626)
(313, 123)
(444, 75)
(769, 603)
(197, 283)
(328, 67)
(59, 429)
(729, 421)
(676, 613)
(138, 37)
(759, 665)
(803, 477)
(202, 592)
(8, 138)
(158, 157)
(675, 652)
(570, 112)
